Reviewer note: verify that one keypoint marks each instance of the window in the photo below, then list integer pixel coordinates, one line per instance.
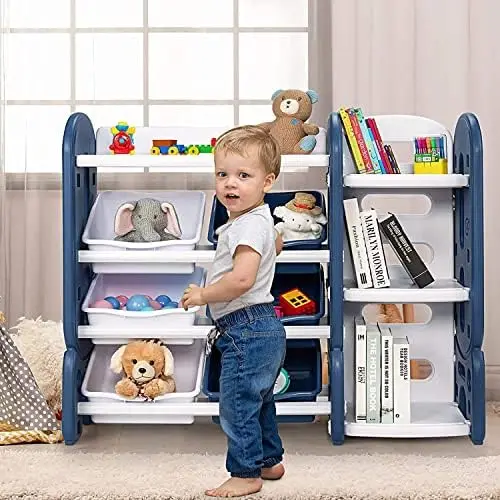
(148, 62)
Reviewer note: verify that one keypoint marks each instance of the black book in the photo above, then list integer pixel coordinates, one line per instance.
(404, 249)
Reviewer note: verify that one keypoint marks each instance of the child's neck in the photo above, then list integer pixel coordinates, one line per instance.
(234, 215)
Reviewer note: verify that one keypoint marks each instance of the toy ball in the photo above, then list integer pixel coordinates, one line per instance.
(102, 304)
(155, 305)
(147, 308)
(170, 305)
(149, 297)
(113, 301)
(137, 303)
(163, 300)
(122, 299)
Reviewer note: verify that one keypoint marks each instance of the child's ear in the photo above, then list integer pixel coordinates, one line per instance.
(268, 182)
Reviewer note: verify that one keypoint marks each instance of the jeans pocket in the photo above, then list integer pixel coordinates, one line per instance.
(227, 343)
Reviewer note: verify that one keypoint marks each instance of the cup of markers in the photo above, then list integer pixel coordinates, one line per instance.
(430, 155)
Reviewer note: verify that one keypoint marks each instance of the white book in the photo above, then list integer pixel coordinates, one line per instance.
(374, 249)
(372, 374)
(357, 243)
(386, 398)
(360, 367)
(402, 394)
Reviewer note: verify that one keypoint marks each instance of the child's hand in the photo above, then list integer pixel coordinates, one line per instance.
(192, 297)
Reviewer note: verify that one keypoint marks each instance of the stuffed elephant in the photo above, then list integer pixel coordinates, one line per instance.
(147, 220)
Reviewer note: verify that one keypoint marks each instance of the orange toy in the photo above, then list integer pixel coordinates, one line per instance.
(295, 302)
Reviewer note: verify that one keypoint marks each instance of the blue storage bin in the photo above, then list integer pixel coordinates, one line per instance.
(218, 217)
(310, 279)
(303, 363)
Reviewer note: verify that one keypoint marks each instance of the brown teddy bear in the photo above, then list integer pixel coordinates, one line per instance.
(292, 109)
(148, 367)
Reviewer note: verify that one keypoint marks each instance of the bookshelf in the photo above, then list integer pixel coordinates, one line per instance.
(451, 401)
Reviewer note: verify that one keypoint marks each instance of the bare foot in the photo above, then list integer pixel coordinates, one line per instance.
(237, 487)
(274, 472)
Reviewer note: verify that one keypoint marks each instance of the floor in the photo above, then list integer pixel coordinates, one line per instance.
(205, 437)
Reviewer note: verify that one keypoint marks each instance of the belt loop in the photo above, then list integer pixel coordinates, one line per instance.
(250, 314)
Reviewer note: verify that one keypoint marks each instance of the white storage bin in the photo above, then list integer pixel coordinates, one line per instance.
(99, 384)
(99, 233)
(153, 285)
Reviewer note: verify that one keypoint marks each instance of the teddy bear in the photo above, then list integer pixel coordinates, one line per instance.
(148, 368)
(301, 218)
(292, 109)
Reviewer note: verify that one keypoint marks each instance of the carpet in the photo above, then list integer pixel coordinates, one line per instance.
(131, 476)
(103, 468)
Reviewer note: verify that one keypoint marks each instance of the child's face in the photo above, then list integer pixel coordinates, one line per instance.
(241, 181)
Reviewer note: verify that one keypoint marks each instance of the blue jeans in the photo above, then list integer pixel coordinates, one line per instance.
(252, 346)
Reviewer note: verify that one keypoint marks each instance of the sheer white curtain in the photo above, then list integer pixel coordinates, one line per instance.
(71, 71)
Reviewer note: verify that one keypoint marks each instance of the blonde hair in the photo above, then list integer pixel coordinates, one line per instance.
(237, 140)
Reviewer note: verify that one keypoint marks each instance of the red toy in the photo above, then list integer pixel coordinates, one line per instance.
(295, 302)
(123, 139)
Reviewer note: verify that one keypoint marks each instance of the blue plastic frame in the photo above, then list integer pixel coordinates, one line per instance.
(469, 271)
(79, 193)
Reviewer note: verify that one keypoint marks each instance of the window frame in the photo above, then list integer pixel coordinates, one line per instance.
(316, 29)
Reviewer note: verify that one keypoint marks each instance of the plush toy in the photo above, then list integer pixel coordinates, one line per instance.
(148, 368)
(301, 218)
(147, 220)
(41, 344)
(292, 109)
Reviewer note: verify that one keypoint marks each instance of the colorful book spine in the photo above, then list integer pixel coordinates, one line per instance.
(358, 133)
(372, 125)
(392, 159)
(351, 141)
(370, 145)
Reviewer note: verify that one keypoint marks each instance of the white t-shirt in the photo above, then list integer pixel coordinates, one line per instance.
(256, 230)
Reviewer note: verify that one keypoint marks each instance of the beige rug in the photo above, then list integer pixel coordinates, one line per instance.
(80, 475)
(361, 469)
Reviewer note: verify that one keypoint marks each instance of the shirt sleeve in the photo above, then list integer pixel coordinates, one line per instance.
(253, 233)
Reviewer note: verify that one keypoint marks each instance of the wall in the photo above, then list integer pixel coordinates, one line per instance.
(436, 59)
(425, 57)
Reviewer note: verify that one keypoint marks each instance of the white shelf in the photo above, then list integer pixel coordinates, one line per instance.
(183, 335)
(402, 291)
(189, 256)
(406, 181)
(152, 409)
(185, 163)
(428, 420)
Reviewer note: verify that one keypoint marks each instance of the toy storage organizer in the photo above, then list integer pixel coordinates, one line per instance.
(450, 403)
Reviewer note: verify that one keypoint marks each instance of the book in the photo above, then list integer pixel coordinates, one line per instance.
(357, 243)
(372, 374)
(404, 249)
(351, 141)
(374, 249)
(386, 399)
(392, 159)
(372, 125)
(360, 369)
(402, 384)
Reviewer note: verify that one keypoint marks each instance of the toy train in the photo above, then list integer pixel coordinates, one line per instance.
(170, 147)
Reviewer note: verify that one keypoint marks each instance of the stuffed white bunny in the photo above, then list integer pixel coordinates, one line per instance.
(301, 218)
